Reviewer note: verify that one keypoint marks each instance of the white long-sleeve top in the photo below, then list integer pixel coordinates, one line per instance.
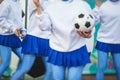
(34, 27)
(109, 16)
(10, 17)
(60, 15)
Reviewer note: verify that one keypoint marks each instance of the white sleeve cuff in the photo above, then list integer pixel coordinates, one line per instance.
(39, 15)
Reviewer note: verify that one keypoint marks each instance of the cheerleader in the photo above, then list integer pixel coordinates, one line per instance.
(108, 39)
(10, 29)
(35, 43)
(67, 46)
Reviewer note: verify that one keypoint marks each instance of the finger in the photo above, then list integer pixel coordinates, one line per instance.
(85, 34)
(18, 32)
(80, 33)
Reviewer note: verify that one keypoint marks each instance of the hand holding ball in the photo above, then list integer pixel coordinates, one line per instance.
(84, 22)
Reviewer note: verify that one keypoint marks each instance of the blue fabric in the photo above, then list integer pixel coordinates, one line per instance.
(73, 58)
(26, 65)
(35, 45)
(106, 47)
(102, 63)
(10, 41)
(28, 61)
(74, 73)
(5, 54)
(48, 74)
(58, 72)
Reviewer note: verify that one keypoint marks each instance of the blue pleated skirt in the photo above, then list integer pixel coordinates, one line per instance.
(36, 46)
(69, 59)
(10, 41)
(106, 47)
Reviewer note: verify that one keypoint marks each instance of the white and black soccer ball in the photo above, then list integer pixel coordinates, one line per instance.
(84, 22)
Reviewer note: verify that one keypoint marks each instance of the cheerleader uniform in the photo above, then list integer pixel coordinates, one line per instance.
(108, 39)
(10, 20)
(35, 43)
(67, 48)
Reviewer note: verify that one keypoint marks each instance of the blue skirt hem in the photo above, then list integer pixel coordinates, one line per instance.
(106, 47)
(36, 46)
(10, 41)
(74, 58)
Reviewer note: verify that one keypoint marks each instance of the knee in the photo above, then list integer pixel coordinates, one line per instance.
(58, 76)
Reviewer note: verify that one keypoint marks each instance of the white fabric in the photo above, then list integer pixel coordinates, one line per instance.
(109, 16)
(10, 17)
(61, 14)
(34, 21)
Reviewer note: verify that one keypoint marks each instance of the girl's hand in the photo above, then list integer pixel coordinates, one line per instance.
(84, 34)
(98, 3)
(17, 32)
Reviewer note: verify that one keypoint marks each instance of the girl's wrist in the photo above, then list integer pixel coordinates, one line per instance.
(39, 11)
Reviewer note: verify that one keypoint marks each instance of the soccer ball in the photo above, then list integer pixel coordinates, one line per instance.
(84, 22)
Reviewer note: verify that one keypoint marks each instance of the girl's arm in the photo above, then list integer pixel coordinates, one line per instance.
(96, 11)
(38, 6)
(42, 18)
(5, 23)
